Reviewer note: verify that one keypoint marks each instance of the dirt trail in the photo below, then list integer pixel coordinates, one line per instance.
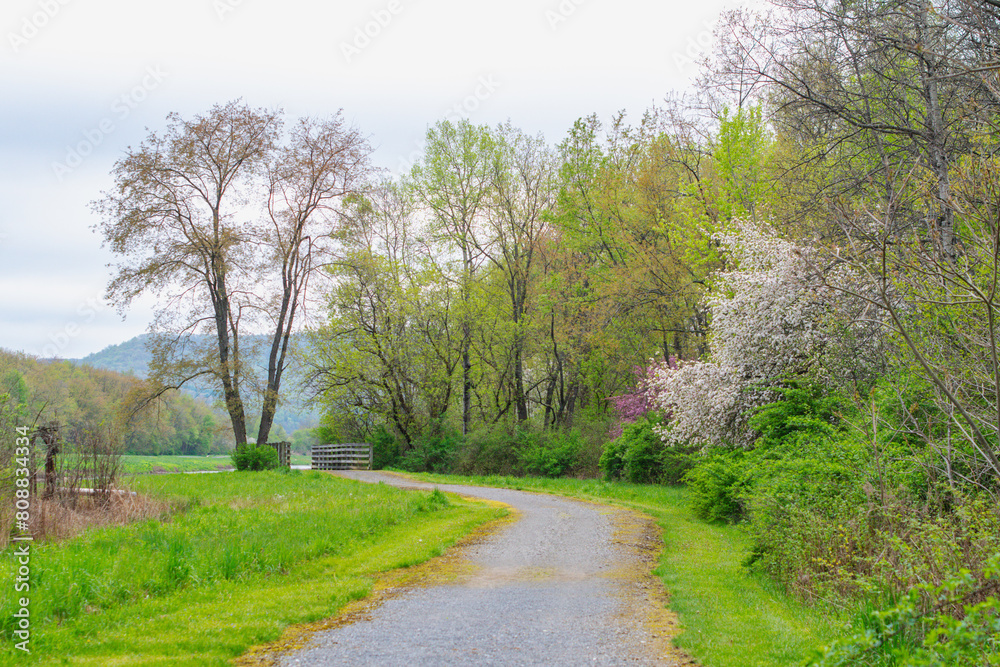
(565, 583)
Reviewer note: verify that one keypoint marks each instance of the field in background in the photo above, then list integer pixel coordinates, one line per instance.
(139, 465)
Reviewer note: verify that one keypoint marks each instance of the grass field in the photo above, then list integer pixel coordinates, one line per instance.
(137, 465)
(133, 464)
(731, 618)
(244, 556)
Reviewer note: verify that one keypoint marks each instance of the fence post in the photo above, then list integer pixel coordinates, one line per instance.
(50, 436)
(284, 449)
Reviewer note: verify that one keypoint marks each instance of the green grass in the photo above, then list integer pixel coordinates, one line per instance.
(731, 618)
(250, 554)
(136, 465)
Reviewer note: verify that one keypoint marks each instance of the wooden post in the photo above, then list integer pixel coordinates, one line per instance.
(284, 450)
(50, 436)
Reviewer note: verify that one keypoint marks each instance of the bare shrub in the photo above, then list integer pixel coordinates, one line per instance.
(83, 487)
(91, 459)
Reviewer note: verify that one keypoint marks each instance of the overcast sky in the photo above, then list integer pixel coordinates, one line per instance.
(81, 80)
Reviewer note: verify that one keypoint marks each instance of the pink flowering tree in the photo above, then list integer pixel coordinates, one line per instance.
(636, 404)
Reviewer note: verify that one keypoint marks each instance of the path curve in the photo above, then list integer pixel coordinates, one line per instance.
(567, 583)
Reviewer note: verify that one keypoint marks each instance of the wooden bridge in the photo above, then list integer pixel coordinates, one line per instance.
(351, 456)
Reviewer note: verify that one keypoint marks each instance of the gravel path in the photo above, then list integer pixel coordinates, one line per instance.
(567, 583)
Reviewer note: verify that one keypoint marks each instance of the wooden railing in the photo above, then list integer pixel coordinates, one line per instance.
(351, 456)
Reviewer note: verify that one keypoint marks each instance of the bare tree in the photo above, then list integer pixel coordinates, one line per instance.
(870, 89)
(943, 313)
(183, 217)
(324, 162)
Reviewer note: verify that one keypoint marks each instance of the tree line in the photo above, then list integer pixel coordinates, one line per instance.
(504, 281)
(80, 398)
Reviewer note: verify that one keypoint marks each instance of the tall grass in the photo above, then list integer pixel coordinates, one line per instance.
(238, 535)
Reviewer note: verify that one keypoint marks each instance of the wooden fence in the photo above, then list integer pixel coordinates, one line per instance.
(351, 456)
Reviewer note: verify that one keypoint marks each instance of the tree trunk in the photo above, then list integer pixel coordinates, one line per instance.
(466, 343)
(275, 368)
(520, 399)
(228, 367)
(943, 226)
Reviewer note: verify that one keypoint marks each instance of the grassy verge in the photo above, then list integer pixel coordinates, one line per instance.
(248, 555)
(731, 618)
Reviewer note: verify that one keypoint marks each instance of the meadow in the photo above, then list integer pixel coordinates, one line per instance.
(238, 559)
(133, 464)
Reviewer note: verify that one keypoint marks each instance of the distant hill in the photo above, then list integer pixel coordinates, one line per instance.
(132, 358)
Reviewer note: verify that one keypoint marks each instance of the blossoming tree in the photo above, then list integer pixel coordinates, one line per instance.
(772, 312)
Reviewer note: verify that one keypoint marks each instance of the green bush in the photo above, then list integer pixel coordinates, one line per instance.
(432, 453)
(675, 463)
(800, 487)
(488, 451)
(718, 486)
(644, 452)
(385, 449)
(803, 408)
(549, 454)
(851, 514)
(255, 457)
(640, 456)
(612, 461)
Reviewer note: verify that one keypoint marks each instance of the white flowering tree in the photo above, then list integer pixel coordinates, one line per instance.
(771, 313)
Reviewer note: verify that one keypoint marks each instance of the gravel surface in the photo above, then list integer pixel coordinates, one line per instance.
(567, 583)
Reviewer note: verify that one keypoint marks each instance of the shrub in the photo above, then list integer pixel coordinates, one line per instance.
(549, 454)
(640, 456)
(612, 461)
(801, 487)
(255, 457)
(867, 514)
(718, 486)
(634, 455)
(676, 461)
(432, 453)
(488, 451)
(955, 624)
(643, 456)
